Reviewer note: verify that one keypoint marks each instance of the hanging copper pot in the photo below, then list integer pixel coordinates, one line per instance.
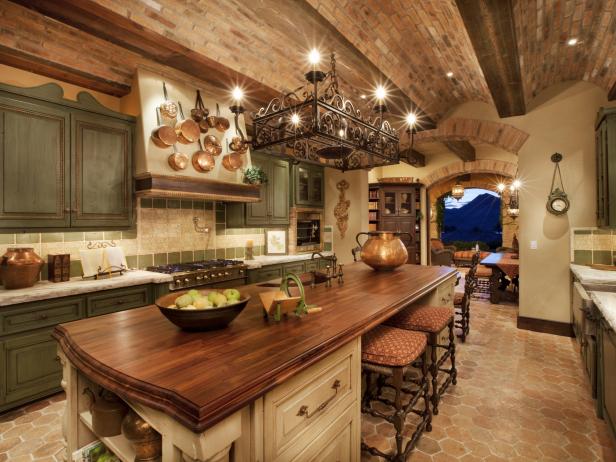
(212, 145)
(163, 136)
(168, 108)
(177, 160)
(199, 112)
(203, 161)
(236, 144)
(187, 130)
(232, 161)
(222, 123)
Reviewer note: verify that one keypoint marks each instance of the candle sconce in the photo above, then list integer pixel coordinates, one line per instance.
(198, 228)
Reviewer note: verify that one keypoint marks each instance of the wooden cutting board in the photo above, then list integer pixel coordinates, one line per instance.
(601, 267)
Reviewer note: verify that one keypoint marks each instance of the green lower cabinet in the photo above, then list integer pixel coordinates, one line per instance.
(608, 359)
(324, 263)
(119, 300)
(297, 268)
(31, 365)
(312, 265)
(266, 273)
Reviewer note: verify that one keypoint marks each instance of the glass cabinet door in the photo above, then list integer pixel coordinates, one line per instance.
(303, 185)
(405, 203)
(389, 203)
(316, 192)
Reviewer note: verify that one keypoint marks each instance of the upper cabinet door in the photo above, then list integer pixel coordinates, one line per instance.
(257, 213)
(302, 185)
(102, 178)
(34, 164)
(279, 193)
(316, 187)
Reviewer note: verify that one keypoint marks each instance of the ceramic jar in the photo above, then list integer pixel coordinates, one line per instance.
(20, 267)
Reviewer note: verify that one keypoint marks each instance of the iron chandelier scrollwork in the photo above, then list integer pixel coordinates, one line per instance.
(316, 123)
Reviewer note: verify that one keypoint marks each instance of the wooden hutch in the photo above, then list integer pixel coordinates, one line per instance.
(396, 206)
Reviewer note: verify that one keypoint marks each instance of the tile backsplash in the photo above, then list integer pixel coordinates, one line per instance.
(593, 246)
(164, 233)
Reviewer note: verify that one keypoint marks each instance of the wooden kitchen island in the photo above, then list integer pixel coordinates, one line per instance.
(235, 394)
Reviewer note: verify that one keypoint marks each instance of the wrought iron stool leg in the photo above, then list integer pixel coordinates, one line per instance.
(426, 394)
(452, 351)
(433, 342)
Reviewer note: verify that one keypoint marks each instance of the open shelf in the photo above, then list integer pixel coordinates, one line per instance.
(120, 446)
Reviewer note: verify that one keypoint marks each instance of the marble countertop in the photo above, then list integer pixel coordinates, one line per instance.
(606, 302)
(44, 290)
(264, 260)
(587, 275)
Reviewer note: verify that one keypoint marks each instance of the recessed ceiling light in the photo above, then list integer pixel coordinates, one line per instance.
(363, 96)
(572, 42)
(449, 74)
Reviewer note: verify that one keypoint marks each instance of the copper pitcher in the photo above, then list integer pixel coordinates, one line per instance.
(20, 267)
(384, 250)
(146, 441)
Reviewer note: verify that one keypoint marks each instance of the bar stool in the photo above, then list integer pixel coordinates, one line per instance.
(462, 303)
(390, 354)
(431, 320)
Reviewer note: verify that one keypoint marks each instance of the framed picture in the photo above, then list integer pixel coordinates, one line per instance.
(276, 242)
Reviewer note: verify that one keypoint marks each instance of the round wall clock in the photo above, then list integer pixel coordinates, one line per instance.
(558, 202)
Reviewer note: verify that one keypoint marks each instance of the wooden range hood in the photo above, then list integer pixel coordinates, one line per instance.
(183, 187)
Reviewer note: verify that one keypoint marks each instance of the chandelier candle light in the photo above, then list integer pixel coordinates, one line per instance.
(316, 123)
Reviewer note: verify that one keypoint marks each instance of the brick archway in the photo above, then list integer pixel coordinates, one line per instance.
(498, 134)
(496, 167)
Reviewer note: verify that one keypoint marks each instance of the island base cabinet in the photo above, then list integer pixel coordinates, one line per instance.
(608, 359)
(306, 418)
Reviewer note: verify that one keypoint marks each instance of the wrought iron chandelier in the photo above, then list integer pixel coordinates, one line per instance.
(512, 203)
(316, 123)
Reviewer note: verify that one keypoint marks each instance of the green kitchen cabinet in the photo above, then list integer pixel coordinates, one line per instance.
(102, 189)
(607, 375)
(64, 164)
(265, 273)
(605, 145)
(31, 366)
(295, 267)
(35, 163)
(308, 185)
(273, 207)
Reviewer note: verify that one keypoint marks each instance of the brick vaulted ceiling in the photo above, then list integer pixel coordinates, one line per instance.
(410, 44)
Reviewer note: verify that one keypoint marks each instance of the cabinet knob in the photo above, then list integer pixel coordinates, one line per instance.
(67, 210)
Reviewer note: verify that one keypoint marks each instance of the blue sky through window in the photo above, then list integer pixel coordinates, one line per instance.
(469, 195)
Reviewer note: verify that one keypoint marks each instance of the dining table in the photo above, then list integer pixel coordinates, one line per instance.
(505, 271)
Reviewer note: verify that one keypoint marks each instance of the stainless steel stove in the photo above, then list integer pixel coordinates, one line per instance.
(207, 273)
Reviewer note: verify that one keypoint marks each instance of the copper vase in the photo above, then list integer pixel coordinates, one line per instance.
(146, 441)
(384, 250)
(20, 267)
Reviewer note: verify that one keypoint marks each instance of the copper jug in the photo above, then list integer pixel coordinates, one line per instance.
(146, 441)
(20, 267)
(107, 411)
(384, 250)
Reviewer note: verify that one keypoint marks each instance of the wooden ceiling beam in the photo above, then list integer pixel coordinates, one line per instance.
(36, 64)
(95, 19)
(463, 149)
(490, 26)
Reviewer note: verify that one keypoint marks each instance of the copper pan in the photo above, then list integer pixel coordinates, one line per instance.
(203, 161)
(199, 112)
(187, 130)
(163, 136)
(212, 145)
(232, 161)
(177, 160)
(168, 108)
(222, 123)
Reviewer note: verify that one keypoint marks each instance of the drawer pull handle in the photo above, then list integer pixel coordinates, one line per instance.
(42, 316)
(120, 302)
(303, 411)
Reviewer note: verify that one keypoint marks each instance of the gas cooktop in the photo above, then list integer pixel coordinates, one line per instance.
(203, 273)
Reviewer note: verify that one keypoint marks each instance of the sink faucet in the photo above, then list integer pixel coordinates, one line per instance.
(333, 271)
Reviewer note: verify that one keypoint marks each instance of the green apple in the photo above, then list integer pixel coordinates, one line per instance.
(194, 293)
(233, 295)
(220, 300)
(202, 303)
(212, 296)
(183, 301)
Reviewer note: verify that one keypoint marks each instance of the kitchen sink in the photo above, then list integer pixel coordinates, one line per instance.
(306, 279)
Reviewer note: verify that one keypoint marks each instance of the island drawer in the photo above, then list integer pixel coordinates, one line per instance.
(296, 412)
(30, 316)
(267, 273)
(297, 268)
(118, 300)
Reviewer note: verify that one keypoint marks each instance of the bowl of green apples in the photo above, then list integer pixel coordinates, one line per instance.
(200, 310)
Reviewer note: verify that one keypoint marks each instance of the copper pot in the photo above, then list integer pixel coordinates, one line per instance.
(168, 108)
(384, 250)
(107, 411)
(222, 124)
(232, 161)
(199, 112)
(20, 267)
(203, 161)
(177, 160)
(163, 136)
(212, 145)
(146, 441)
(187, 130)
(238, 145)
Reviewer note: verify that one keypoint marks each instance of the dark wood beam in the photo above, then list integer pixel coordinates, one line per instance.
(490, 26)
(95, 19)
(38, 65)
(413, 157)
(611, 96)
(463, 149)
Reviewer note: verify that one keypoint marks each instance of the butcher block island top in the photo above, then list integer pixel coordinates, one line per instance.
(199, 378)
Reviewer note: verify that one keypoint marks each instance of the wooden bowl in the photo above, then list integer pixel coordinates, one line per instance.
(203, 319)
